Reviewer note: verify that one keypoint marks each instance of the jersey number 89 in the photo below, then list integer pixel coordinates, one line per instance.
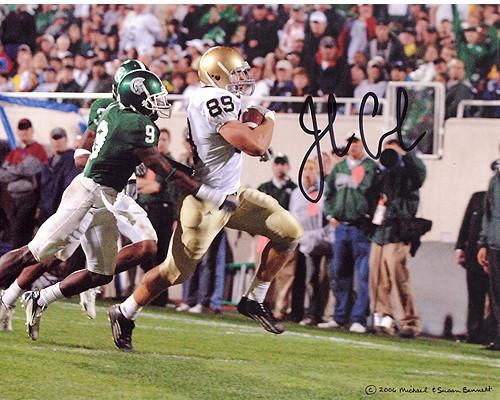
(216, 108)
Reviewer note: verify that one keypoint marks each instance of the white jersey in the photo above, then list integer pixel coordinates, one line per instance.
(217, 162)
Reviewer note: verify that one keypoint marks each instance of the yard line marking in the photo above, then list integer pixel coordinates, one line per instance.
(94, 352)
(352, 342)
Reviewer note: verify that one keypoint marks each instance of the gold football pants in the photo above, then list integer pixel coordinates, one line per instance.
(201, 221)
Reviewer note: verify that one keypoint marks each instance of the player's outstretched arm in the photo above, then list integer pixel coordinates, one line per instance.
(161, 166)
(181, 175)
(253, 142)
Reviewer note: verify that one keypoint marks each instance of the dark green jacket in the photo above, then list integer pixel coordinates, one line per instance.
(401, 186)
(490, 233)
(346, 191)
(281, 194)
(478, 58)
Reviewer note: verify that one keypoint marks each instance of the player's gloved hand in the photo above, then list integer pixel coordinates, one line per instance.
(268, 155)
(141, 170)
(230, 204)
(265, 112)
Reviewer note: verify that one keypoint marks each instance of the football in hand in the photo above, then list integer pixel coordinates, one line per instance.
(252, 118)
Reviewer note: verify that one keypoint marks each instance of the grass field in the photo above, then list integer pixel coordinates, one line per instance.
(180, 356)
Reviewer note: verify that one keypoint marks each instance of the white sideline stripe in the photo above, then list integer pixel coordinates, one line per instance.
(352, 342)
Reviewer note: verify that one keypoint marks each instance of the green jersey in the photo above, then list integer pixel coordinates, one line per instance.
(118, 134)
(96, 110)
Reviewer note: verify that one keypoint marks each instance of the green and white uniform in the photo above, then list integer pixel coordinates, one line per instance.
(88, 210)
(96, 111)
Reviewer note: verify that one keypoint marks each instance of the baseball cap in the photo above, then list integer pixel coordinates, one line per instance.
(197, 44)
(284, 64)
(23, 124)
(328, 42)
(24, 47)
(318, 16)
(258, 62)
(374, 63)
(281, 158)
(48, 38)
(399, 65)
(58, 133)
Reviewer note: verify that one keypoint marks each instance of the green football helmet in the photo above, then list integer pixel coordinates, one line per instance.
(143, 92)
(125, 67)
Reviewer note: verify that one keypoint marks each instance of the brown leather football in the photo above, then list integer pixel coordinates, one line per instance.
(252, 118)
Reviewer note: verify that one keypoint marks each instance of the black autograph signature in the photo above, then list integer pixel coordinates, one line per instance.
(401, 109)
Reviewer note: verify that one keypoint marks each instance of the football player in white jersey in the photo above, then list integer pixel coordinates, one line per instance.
(218, 138)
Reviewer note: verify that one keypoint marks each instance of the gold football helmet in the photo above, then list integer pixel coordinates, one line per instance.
(224, 67)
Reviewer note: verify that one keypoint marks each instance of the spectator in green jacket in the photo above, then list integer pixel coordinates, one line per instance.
(478, 56)
(489, 243)
(347, 206)
(397, 191)
(281, 186)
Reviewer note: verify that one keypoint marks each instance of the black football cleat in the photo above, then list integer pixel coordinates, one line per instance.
(121, 328)
(260, 312)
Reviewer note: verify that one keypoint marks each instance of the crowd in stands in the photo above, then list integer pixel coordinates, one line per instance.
(293, 49)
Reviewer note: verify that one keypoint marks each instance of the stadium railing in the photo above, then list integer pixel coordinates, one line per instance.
(475, 103)
(348, 102)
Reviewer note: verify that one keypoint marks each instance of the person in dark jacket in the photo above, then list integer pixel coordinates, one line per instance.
(385, 45)
(347, 207)
(18, 28)
(489, 246)
(21, 172)
(396, 190)
(478, 284)
(457, 88)
(331, 73)
(56, 175)
(262, 34)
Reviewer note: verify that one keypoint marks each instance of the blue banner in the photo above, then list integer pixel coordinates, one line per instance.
(49, 104)
(8, 129)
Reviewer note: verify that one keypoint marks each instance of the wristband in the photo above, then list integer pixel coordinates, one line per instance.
(270, 115)
(80, 152)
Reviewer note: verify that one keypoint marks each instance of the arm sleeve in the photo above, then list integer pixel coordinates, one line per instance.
(457, 30)
(465, 227)
(483, 236)
(330, 192)
(416, 170)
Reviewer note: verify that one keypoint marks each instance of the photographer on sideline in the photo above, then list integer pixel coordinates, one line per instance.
(397, 190)
(489, 246)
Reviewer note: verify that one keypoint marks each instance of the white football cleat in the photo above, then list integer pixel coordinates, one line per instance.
(87, 301)
(6, 312)
(33, 313)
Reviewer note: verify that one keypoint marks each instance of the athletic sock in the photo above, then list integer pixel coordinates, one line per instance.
(12, 294)
(130, 309)
(258, 290)
(49, 295)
